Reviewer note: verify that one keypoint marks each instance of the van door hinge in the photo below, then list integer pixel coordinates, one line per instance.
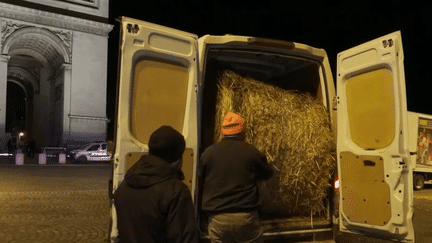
(335, 102)
(387, 43)
(132, 28)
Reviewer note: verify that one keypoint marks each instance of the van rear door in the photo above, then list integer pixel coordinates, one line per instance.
(372, 145)
(157, 85)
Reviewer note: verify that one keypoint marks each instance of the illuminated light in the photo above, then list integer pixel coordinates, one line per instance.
(337, 184)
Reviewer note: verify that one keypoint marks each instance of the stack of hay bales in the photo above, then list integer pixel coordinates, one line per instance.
(293, 130)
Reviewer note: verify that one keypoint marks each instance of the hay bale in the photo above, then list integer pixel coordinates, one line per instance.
(293, 130)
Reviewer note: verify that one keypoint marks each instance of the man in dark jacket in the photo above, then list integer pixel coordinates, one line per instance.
(152, 203)
(230, 171)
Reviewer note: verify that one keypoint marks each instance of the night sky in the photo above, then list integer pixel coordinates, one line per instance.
(332, 25)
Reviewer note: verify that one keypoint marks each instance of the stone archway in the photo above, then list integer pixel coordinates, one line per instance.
(37, 57)
(16, 110)
(29, 84)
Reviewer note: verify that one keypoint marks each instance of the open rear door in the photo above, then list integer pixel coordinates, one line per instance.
(157, 85)
(373, 157)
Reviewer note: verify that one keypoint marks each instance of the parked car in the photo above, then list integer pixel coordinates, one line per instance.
(53, 152)
(91, 152)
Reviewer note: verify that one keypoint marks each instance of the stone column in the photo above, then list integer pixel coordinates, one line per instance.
(3, 87)
(29, 114)
(67, 86)
(51, 106)
(42, 126)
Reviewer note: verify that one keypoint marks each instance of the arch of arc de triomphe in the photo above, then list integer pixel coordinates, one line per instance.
(56, 51)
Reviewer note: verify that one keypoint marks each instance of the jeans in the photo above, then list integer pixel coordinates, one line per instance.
(243, 227)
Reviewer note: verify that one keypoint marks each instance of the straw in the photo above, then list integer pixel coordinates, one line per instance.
(293, 130)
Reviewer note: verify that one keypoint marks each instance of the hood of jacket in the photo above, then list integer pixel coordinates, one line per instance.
(151, 170)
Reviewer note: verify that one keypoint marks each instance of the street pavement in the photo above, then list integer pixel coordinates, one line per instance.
(65, 203)
(422, 218)
(54, 203)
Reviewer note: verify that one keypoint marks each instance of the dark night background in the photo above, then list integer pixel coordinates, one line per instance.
(332, 25)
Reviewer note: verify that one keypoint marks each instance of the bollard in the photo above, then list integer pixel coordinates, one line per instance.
(19, 159)
(62, 158)
(42, 159)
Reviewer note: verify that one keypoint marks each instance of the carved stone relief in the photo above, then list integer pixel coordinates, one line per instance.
(89, 3)
(9, 27)
(57, 20)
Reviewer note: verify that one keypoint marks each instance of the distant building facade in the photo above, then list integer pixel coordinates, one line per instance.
(56, 51)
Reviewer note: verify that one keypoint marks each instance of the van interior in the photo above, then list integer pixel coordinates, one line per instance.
(284, 71)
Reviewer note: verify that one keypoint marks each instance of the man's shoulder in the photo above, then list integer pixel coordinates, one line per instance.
(212, 147)
(243, 144)
(174, 184)
(233, 143)
(173, 189)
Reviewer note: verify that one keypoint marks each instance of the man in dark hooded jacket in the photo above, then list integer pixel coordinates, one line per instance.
(152, 203)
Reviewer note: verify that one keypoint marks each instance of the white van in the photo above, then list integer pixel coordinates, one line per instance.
(169, 77)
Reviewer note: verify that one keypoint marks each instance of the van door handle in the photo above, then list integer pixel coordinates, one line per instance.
(368, 163)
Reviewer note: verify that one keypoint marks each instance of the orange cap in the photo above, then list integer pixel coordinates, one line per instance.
(232, 124)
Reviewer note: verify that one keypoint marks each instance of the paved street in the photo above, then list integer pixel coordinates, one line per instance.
(69, 203)
(423, 215)
(54, 203)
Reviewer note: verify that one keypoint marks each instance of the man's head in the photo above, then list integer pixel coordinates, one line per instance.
(232, 124)
(167, 143)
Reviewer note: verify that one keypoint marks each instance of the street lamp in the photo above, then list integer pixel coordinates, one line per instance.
(19, 138)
